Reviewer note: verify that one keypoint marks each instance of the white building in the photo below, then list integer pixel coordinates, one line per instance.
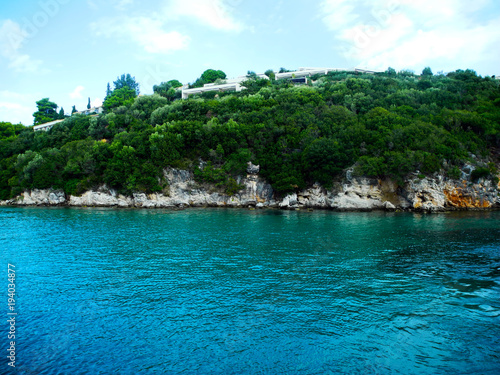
(93, 110)
(233, 84)
(46, 126)
(307, 72)
(49, 125)
(366, 71)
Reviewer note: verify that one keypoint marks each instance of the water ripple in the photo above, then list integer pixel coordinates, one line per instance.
(104, 291)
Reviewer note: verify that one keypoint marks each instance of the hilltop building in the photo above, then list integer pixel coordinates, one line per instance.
(91, 111)
(233, 84)
(297, 76)
(47, 125)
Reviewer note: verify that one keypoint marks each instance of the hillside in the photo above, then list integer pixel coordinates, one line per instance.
(384, 125)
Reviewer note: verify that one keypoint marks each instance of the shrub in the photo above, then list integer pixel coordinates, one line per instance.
(479, 173)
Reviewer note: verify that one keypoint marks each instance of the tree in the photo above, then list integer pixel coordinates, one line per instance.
(166, 90)
(127, 80)
(211, 75)
(73, 110)
(122, 96)
(325, 158)
(88, 105)
(252, 75)
(391, 72)
(108, 90)
(162, 88)
(46, 111)
(427, 72)
(61, 113)
(270, 73)
(6, 130)
(174, 83)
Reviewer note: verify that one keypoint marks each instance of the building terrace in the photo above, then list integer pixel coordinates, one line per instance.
(235, 83)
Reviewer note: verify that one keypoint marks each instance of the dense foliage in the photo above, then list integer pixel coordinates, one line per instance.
(387, 124)
(46, 112)
(209, 76)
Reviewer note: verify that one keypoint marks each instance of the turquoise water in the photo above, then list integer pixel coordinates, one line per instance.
(207, 291)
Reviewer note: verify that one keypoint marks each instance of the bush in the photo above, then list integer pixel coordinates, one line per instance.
(454, 173)
(479, 173)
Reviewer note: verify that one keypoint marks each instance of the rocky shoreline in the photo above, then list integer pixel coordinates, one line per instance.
(430, 194)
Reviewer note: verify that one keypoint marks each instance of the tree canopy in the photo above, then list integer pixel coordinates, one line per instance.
(384, 125)
(127, 80)
(174, 83)
(47, 111)
(211, 75)
(119, 97)
(168, 89)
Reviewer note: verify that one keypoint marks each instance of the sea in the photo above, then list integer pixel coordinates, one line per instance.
(238, 291)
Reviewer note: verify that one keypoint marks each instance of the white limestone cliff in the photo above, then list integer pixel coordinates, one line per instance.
(351, 193)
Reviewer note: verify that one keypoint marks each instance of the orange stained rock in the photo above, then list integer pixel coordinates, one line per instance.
(457, 198)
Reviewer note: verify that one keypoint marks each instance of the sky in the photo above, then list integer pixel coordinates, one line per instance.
(68, 50)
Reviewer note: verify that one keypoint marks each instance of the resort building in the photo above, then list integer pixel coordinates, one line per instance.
(49, 125)
(307, 72)
(46, 126)
(357, 70)
(91, 111)
(233, 84)
(297, 76)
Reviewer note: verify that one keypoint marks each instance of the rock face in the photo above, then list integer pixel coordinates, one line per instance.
(349, 194)
(439, 194)
(42, 197)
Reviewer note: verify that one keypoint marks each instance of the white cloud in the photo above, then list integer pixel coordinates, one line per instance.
(407, 34)
(213, 13)
(77, 92)
(8, 105)
(461, 49)
(151, 33)
(122, 4)
(17, 108)
(146, 32)
(338, 13)
(117, 4)
(12, 39)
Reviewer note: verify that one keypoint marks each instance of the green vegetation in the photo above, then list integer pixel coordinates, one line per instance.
(209, 76)
(125, 91)
(385, 125)
(47, 111)
(168, 89)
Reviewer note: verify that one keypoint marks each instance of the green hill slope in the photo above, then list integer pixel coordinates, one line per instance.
(386, 125)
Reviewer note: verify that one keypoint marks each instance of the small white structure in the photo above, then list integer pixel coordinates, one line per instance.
(46, 126)
(233, 84)
(93, 110)
(366, 71)
(224, 87)
(296, 76)
(307, 72)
